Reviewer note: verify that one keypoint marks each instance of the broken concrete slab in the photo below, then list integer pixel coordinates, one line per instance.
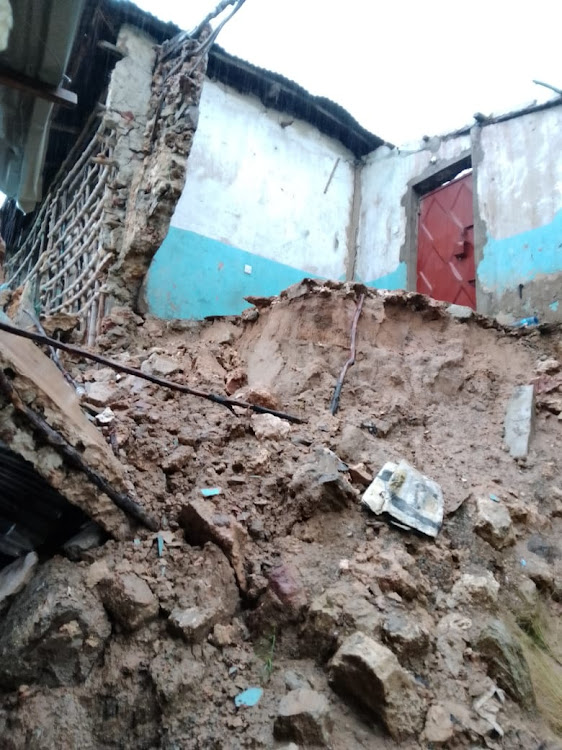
(304, 717)
(371, 674)
(519, 421)
(407, 496)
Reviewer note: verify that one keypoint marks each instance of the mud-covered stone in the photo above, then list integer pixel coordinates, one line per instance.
(129, 599)
(506, 662)
(480, 590)
(493, 523)
(409, 636)
(371, 674)
(55, 631)
(321, 485)
(304, 717)
(269, 427)
(439, 728)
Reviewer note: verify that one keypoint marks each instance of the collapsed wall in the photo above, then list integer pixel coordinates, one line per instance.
(271, 608)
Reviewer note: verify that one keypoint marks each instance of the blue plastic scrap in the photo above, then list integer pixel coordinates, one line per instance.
(495, 498)
(211, 491)
(249, 697)
(526, 322)
(160, 545)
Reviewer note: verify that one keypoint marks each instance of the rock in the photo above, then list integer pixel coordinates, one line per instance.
(223, 635)
(235, 380)
(283, 601)
(477, 590)
(548, 366)
(370, 673)
(493, 523)
(506, 662)
(90, 537)
(354, 444)
(102, 394)
(304, 717)
(409, 636)
(160, 366)
(55, 630)
(452, 639)
(341, 610)
(259, 397)
(319, 485)
(519, 421)
(250, 314)
(460, 312)
(15, 577)
(438, 725)
(360, 475)
(201, 524)
(269, 427)
(408, 497)
(178, 460)
(294, 681)
(129, 599)
(193, 624)
(394, 570)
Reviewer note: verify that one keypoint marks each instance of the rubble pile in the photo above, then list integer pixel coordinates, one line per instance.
(275, 607)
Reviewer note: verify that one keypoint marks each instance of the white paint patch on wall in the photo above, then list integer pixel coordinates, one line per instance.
(520, 175)
(258, 186)
(384, 182)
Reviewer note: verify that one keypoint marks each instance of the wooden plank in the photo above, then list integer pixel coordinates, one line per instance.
(55, 94)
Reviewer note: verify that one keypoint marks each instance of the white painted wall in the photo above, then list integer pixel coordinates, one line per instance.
(260, 187)
(384, 183)
(520, 173)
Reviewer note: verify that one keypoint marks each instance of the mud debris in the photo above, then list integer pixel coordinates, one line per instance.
(360, 634)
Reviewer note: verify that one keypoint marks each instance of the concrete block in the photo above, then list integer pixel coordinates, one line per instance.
(461, 312)
(519, 420)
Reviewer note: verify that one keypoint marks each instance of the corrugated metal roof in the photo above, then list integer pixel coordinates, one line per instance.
(39, 47)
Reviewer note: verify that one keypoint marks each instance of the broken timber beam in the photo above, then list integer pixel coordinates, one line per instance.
(39, 89)
(73, 457)
(78, 352)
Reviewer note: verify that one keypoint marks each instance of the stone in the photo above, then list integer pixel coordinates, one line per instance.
(90, 537)
(354, 444)
(15, 577)
(360, 475)
(452, 639)
(269, 427)
(235, 380)
(304, 717)
(319, 485)
(479, 590)
(178, 460)
(519, 421)
(460, 312)
(408, 497)
(547, 366)
(286, 584)
(102, 393)
(506, 662)
(371, 674)
(438, 728)
(54, 632)
(193, 624)
(341, 610)
(129, 599)
(223, 635)
(409, 636)
(159, 365)
(259, 397)
(493, 523)
(202, 523)
(394, 570)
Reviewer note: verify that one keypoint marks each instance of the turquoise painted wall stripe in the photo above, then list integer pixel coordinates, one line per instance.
(519, 259)
(192, 277)
(397, 279)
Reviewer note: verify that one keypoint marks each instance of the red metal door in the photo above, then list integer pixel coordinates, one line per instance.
(446, 269)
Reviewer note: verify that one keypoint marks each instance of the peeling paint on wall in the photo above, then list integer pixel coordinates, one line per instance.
(397, 279)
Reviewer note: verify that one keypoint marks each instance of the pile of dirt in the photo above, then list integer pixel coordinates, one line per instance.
(271, 608)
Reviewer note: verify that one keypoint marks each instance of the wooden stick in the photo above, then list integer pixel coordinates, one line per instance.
(77, 351)
(334, 405)
(53, 438)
